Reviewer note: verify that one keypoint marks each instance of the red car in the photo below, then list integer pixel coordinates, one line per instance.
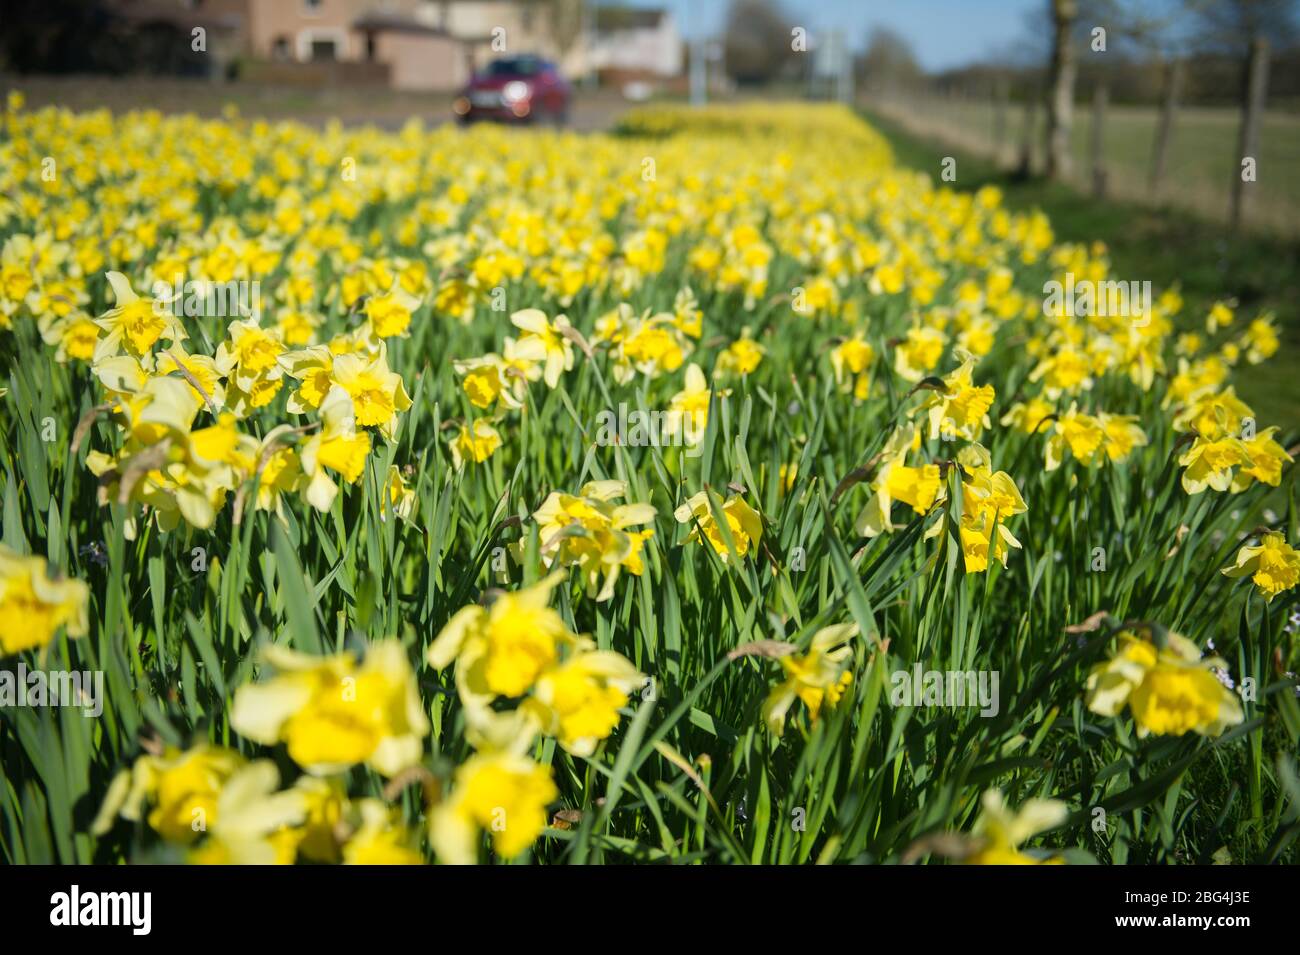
(520, 89)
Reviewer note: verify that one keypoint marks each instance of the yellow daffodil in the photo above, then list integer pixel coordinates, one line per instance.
(135, 324)
(501, 650)
(589, 531)
(474, 442)
(960, 409)
(389, 314)
(920, 487)
(551, 334)
(182, 787)
(380, 838)
(851, 362)
(1170, 690)
(338, 446)
(33, 605)
(1273, 565)
(377, 393)
(578, 702)
(502, 793)
(741, 357)
(744, 525)
(1210, 463)
(1001, 832)
(819, 676)
(919, 352)
(688, 411)
(253, 823)
(1267, 458)
(332, 713)
(1082, 435)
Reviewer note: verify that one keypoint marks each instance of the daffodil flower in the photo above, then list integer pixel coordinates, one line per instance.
(252, 820)
(743, 523)
(338, 446)
(389, 314)
(474, 442)
(551, 334)
(183, 788)
(134, 323)
(501, 650)
(503, 793)
(1273, 565)
(819, 676)
(1001, 831)
(589, 531)
(33, 605)
(377, 393)
(1170, 690)
(960, 409)
(332, 713)
(578, 702)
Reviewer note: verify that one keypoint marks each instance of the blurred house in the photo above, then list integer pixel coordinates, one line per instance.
(631, 44)
(405, 44)
(552, 29)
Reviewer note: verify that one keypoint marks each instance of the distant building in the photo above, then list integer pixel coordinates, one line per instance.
(635, 43)
(492, 28)
(407, 44)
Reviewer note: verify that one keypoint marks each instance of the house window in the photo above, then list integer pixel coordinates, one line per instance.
(322, 44)
(312, 8)
(280, 48)
(323, 49)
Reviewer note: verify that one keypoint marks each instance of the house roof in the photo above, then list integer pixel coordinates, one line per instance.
(145, 12)
(395, 23)
(609, 19)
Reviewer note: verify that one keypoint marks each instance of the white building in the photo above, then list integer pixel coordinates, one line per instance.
(635, 41)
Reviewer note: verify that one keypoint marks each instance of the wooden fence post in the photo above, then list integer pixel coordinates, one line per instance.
(1099, 102)
(999, 119)
(1164, 130)
(1025, 167)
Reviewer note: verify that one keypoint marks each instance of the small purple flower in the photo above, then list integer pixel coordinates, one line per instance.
(95, 553)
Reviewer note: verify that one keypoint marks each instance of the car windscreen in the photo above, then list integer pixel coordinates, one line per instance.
(519, 66)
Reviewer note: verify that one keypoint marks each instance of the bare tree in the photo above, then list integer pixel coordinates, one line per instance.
(1246, 28)
(1156, 31)
(1062, 71)
(888, 61)
(758, 41)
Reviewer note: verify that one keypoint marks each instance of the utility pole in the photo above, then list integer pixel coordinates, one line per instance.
(699, 72)
(844, 86)
(588, 42)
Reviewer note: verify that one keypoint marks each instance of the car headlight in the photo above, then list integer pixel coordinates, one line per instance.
(515, 90)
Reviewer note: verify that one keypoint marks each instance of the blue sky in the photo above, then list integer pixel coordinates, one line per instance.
(943, 33)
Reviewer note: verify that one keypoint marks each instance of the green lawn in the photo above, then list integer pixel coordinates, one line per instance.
(1201, 160)
(1163, 246)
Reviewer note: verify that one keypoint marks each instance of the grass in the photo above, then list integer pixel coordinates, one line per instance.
(1199, 169)
(1166, 246)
